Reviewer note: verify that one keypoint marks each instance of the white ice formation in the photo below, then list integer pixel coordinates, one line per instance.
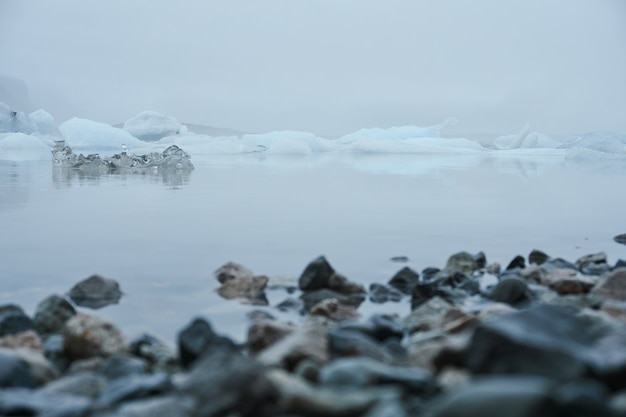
(37, 122)
(151, 126)
(84, 134)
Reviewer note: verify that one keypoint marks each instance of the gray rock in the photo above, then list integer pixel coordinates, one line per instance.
(613, 287)
(428, 315)
(135, 386)
(513, 397)
(159, 356)
(404, 280)
(517, 263)
(462, 262)
(342, 285)
(558, 263)
(87, 336)
(364, 372)
(53, 350)
(82, 384)
(512, 291)
(199, 338)
(379, 294)
(40, 368)
(342, 343)
(162, 406)
(620, 239)
(223, 382)
(22, 402)
(332, 309)
(14, 320)
(379, 327)
(14, 372)
(52, 313)
(544, 340)
(314, 297)
(481, 260)
(232, 271)
(248, 290)
(429, 273)
(118, 366)
(95, 292)
(593, 259)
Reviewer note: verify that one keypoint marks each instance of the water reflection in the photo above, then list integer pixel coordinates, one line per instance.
(170, 177)
(14, 185)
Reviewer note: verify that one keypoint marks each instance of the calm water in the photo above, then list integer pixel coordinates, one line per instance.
(162, 236)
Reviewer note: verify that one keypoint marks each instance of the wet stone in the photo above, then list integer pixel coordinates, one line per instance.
(404, 280)
(28, 339)
(312, 298)
(517, 262)
(316, 275)
(95, 292)
(613, 287)
(199, 338)
(620, 239)
(134, 386)
(537, 257)
(52, 313)
(462, 262)
(512, 291)
(379, 294)
(14, 372)
(264, 333)
(83, 384)
(232, 271)
(14, 320)
(344, 342)
(22, 402)
(157, 354)
(429, 273)
(119, 366)
(88, 336)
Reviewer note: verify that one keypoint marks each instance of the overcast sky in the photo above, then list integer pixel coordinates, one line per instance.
(326, 66)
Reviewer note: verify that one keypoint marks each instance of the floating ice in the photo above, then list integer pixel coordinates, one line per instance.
(286, 142)
(525, 139)
(172, 158)
(22, 147)
(399, 133)
(82, 134)
(38, 122)
(151, 126)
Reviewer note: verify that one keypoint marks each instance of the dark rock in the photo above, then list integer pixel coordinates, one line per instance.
(481, 260)
(22, 402)
(566, 281)
(544, 340)
(264, 333)
(537, 257)
(423, 292)
(40, 368)
(83, 384)
(312, 298)
(609, 363)
(596, 269)
(513, 397)
(14, 320)
(86, 336)
(428, 315)
(399, 259)
(379, 327)
(199, 338)
(429, 273)
(134, 386)
(613, 287)
(14, 372)
(621, 263)
(52, 314)
(95, 292)
(342, 285)
(158, 355)
(342, 342)
(452, 288)
(379, 294)
(517, 262)
(404, 280)
(363, 372)
(225, 383)
(620, 239)
(582, 397)
(316, 275)
(512, 291)
(53, 350)
(120, 366)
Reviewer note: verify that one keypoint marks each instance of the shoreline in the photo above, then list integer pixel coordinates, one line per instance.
(544, 333)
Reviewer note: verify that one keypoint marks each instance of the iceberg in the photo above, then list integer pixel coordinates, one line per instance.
(151, 126)
(525, 139)
(399, 132)
(37, 122)
(286, 142)
(86, 134)
(22, 147)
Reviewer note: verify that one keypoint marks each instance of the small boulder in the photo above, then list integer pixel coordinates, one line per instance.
(462, 262)
(333, 310)
(316, 275)
(264, 333)
(404, 280)
(14, 320)
(199, 338)
(88, 336)
(14, 372)
(620, 239)
(95, 292)
(379, 294)
(52, 313)
(537, 257)
(613, 287)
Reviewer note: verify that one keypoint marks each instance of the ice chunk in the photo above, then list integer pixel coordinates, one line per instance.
(608, 142)
(399, 132)
(84, 134)
(526, 139)
(286, 142)
(151, 126)
(38, 122)
(22, 147)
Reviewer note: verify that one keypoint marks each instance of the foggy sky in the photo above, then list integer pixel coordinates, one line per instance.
(326, 66)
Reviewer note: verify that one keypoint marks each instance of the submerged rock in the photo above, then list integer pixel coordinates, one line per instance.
(95, 292)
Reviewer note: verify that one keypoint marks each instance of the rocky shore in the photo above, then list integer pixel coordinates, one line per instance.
(543, 336)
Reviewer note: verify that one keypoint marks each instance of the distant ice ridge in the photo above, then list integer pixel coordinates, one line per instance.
(526, 139)
(37, 122)
(152, 126)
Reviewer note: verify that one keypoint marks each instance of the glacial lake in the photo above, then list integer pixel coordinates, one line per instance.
(162, 236)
